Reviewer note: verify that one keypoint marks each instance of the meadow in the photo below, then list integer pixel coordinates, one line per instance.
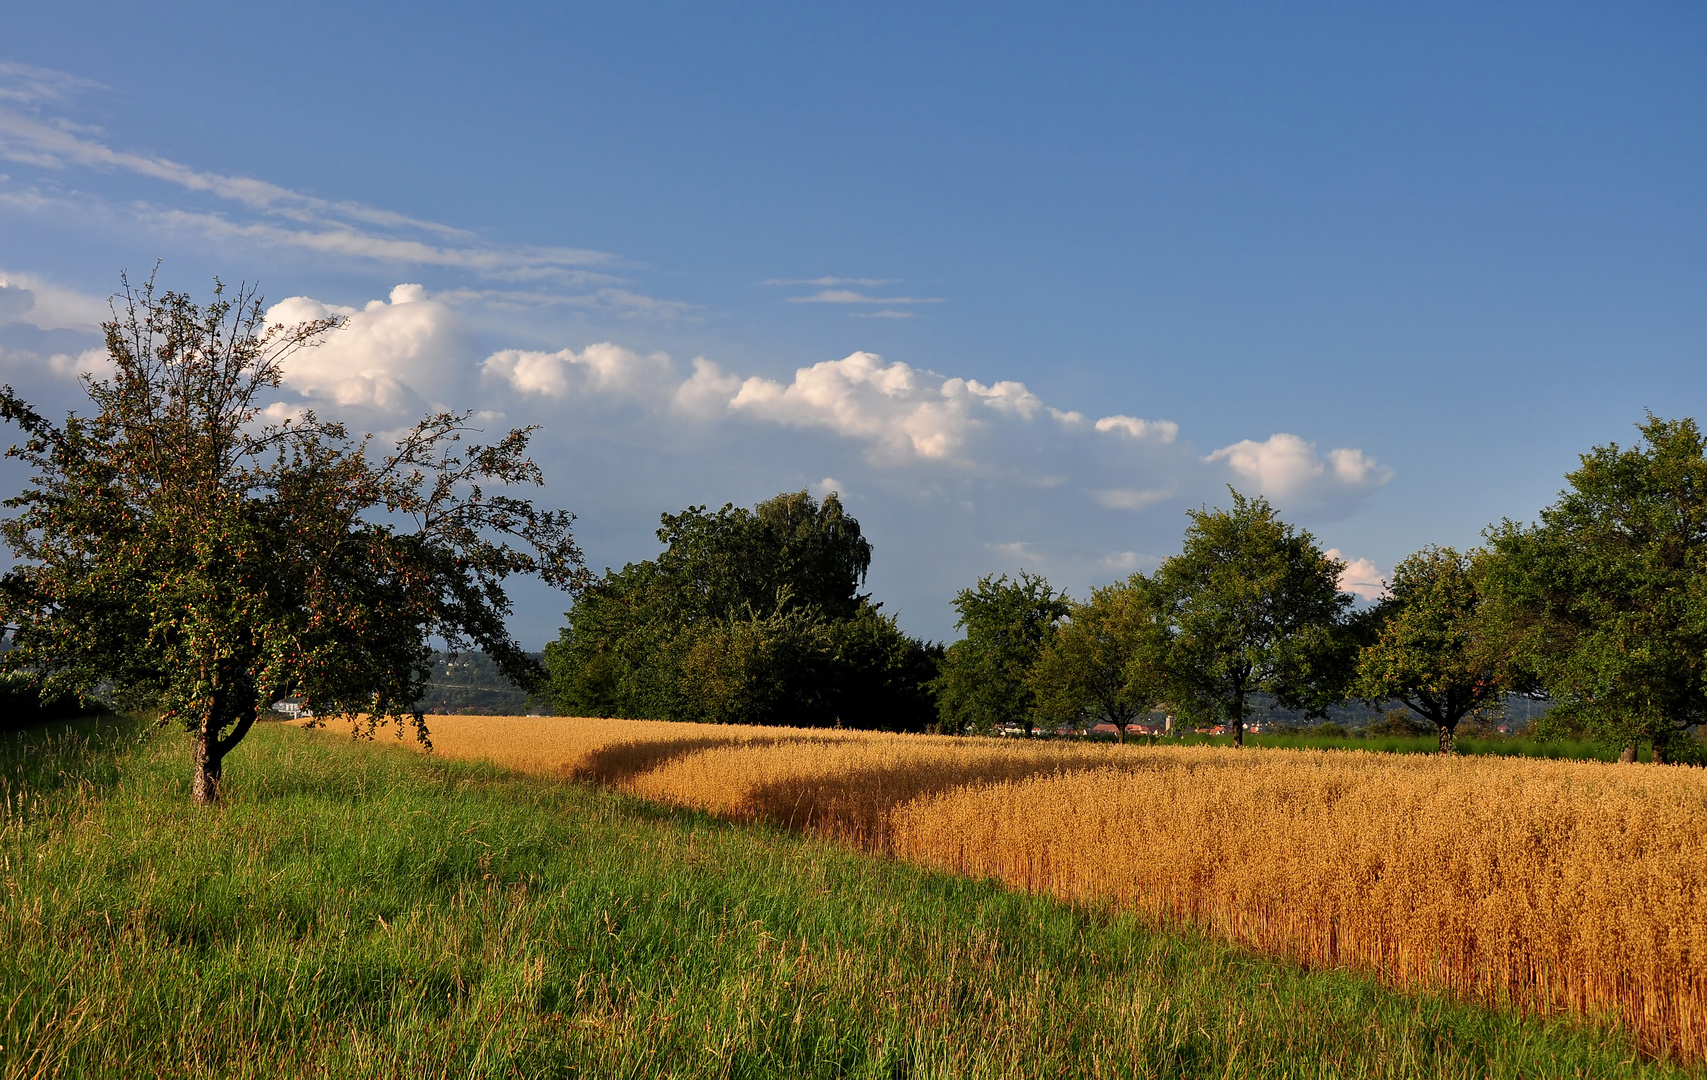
(1535, 885)
(361, 910)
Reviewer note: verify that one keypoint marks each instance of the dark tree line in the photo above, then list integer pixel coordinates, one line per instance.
(748, 616)
(1600, 606)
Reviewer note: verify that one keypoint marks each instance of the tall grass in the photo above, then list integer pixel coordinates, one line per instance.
(1537, 884)
(1467, 745)
(356, 912)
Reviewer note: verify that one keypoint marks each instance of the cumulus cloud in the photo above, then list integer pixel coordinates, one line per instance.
(598, 369)
(708, 391)
(94, 362)
(827, 487)
(392, 357)
(1290, 471)
(15, 300)
(903, 413)
(1360, 577)
(1134, 428)
(28, 298)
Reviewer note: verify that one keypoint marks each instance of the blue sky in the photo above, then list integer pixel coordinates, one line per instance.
(1024, 283)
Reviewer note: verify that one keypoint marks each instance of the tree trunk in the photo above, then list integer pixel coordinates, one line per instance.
(208, 761)
(1239, 719)
(210, 751)
(1659, 754)
(1448, 739)
(1628, 755)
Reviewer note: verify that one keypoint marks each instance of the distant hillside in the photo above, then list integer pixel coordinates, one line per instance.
(471, 684)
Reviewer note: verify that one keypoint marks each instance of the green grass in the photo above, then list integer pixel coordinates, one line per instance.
(358, 911)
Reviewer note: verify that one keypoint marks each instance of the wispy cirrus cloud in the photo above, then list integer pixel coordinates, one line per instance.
(22, 84)
(849, 296)
(829, 281)
(203, 205)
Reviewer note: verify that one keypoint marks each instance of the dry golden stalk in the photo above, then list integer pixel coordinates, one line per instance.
(1542, 885)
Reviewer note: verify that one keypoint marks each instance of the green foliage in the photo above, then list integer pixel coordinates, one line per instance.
(1098, 662)
(984, 682)
(1605, 600)
(1433, 651)
(1400, 722)
(1251, 605)
(748, 616)
(177, 548)
(23, 703)
(738, 560)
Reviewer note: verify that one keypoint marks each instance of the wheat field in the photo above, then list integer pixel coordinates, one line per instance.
(1540, 885)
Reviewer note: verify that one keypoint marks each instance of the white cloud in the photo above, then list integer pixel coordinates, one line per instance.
(393, 357)
(28, 139)
(708, 391)
(15, 300)
(1360, 576)
(598, 369)
(904, 413)
(1130, 498)
(1126, 561)
(28, 298)
(826, 487)
(848, 296)
(94, 362)
(823, 281)
(891, 406)
(1288, 470)
(1021, 551)
(26, 85)
(1134, 428)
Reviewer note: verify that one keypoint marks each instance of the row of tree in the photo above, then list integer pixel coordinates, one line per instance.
(755, 616)
(1600, 606)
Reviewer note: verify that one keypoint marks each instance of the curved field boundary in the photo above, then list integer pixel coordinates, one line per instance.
(1534, 884)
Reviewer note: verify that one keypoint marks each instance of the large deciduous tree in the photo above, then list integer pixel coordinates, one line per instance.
(747, 616)
(983, 684)
(1605, 599)
(1250, 605)
(1100, 660)
(1433, 651)
(175, 546)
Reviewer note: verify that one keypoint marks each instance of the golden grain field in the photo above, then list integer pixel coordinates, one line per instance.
(1542, 885)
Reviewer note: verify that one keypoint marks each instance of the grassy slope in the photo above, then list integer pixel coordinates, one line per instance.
(361, 912)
